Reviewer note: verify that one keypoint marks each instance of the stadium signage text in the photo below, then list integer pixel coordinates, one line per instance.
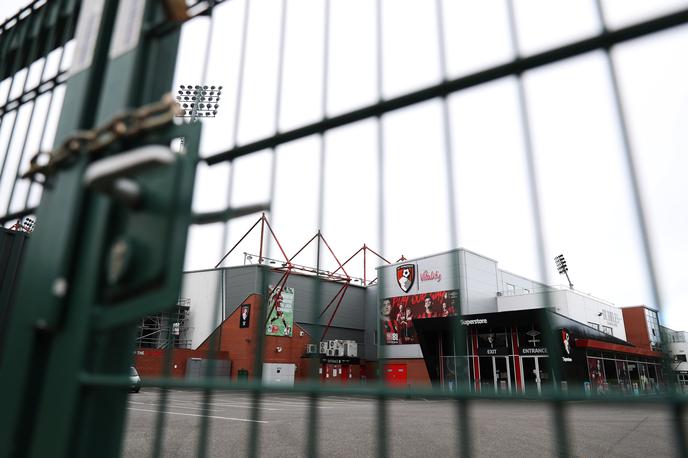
(433, 275)
(474, 321)
(534, 351)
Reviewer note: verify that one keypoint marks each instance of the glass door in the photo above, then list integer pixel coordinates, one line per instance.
(531, 378)
(502, 374)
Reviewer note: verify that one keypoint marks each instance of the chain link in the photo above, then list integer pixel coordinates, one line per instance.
(125, 125)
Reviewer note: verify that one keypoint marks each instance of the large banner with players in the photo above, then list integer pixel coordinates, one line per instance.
(281, 319)
(397, 314)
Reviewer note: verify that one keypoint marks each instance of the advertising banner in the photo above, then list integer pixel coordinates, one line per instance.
(398, 313)
(245, 317)
(281, 318)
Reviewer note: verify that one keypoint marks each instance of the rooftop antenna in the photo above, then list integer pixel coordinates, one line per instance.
(562, 268)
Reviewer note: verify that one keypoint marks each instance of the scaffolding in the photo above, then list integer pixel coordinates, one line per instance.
(162, 329)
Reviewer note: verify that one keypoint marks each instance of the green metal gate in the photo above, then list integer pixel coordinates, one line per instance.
(116, 206)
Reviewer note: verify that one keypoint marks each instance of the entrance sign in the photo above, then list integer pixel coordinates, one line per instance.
(534, 351)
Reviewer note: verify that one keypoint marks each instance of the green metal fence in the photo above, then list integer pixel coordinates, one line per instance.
(116, 206)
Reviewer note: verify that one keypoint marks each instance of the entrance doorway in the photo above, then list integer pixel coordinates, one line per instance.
(536, 373)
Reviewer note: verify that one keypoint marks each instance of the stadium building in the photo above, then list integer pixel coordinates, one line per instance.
(413, 309)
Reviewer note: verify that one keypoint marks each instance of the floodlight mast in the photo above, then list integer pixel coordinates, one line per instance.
(562, 268)
(196, 100)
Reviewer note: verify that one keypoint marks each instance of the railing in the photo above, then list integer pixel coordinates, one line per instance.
(112, 224)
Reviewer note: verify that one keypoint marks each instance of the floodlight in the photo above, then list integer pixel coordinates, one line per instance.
(562, 268)
(199, 101)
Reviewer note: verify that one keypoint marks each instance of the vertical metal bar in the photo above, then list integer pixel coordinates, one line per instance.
(554, 351)
(313, 414)
(22, 409)
(237, 111)
(215, 342)
(458, 334)
(278, 102)
(163, 399)
(382, 444)
(641, 220)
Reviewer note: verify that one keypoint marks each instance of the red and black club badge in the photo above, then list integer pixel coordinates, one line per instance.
(406, 274)
(566, 342)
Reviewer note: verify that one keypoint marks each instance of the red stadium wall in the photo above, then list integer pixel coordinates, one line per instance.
(636, 327)
(149, 361)
(416, 371)
(241, 343)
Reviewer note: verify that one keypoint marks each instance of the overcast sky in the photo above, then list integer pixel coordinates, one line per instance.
(585, 192)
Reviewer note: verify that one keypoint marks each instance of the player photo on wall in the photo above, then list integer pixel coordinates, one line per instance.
(398, 313)
(245, 317)
(281, 312)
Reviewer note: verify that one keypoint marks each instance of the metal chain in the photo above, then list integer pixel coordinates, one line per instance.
(125, 125)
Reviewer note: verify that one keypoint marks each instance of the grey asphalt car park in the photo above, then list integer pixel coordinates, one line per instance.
(348, 426)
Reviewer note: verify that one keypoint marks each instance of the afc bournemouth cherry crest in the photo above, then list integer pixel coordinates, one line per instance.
(406, 274)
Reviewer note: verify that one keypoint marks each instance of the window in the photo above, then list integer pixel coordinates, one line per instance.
(510, 289)
(493, 338)
(594, 325)
(680, 358)
(607, 330)
(683, 379)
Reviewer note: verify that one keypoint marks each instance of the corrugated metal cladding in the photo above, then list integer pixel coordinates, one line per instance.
(242, 281)
(12, 245)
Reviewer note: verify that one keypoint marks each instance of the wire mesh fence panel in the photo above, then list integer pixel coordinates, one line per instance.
(329, 162)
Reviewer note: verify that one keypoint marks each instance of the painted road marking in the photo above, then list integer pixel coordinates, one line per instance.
(236, 405)
(215, 417)
(171, 406)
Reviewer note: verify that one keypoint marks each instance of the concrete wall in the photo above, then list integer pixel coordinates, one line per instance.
(521, 285)
(678, 348)
(587, 309)
(371, 324)
(445, 266)
(216, 294)
(480, 280)
(580, 307)
(204, 289)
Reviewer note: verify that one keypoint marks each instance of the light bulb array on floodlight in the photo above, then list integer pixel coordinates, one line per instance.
(563, 268)
(198, 101)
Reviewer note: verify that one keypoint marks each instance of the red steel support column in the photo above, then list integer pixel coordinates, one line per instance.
(517, 359)
(364, 264)
(476, 360)
(262, 231)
